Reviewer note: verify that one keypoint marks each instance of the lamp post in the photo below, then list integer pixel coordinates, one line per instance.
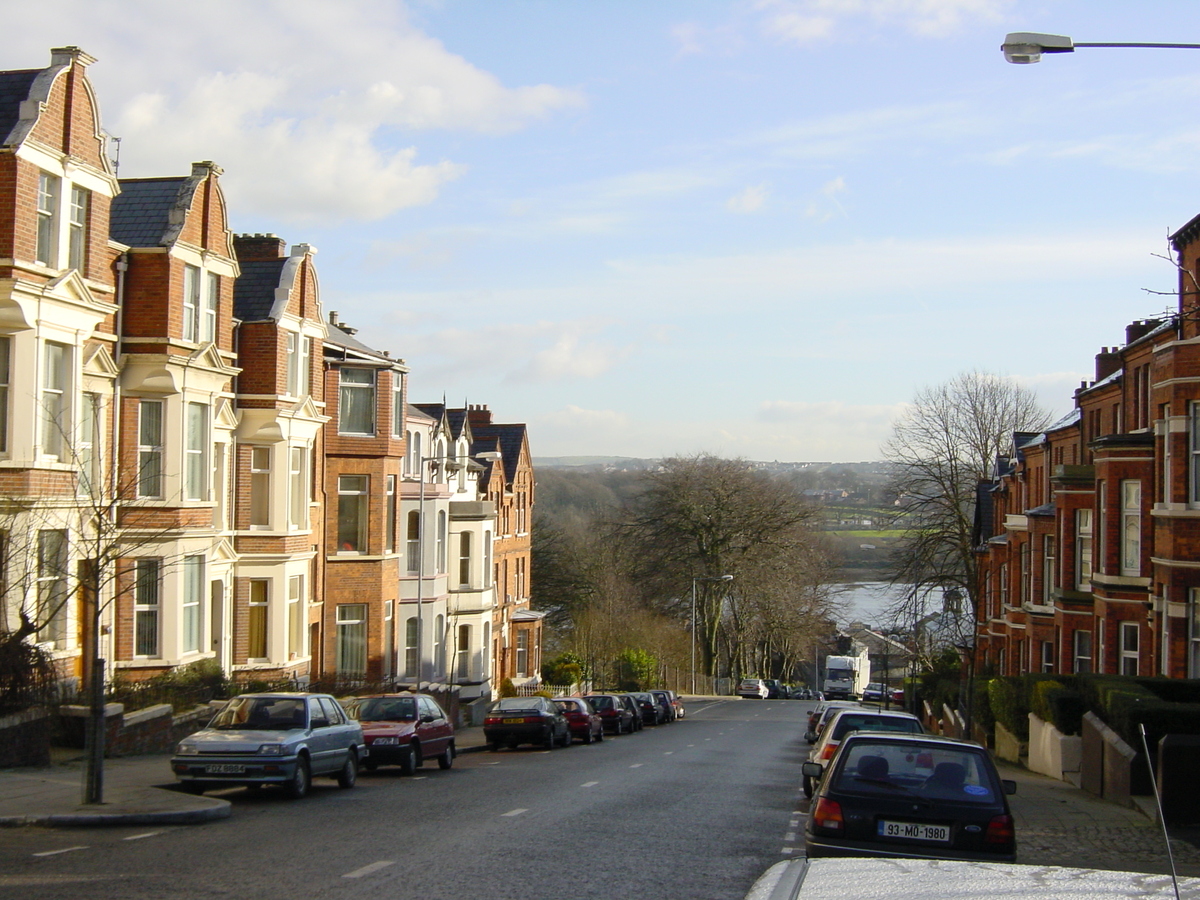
(695, 579)
(489, 455)
(1024, 47)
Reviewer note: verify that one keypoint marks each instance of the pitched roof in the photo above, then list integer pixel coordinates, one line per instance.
(254, 290)
(141, 213)
(510, 439)
(14, 90)
(336, 336)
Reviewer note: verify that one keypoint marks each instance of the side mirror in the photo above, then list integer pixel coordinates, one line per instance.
(810, 736)
(1010, 787)
(812, 769)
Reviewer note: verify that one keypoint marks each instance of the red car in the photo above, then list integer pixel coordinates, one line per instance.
(585, 724)
(403, 730)
(615, 715)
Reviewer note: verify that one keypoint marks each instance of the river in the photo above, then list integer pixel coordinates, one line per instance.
(867, 602)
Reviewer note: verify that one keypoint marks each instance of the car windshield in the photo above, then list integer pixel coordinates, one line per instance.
(384, 709)
(262, 714)
(847, 723)
(568, 705)
(937, 772)
(601, 702)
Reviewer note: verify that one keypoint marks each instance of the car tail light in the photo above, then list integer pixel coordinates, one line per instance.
(828, 815)
(492, 720)
(999, 830)
(827, 752)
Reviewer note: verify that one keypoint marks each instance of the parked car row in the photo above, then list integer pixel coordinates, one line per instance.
(773, 689)
(882, 787)
(557, 722)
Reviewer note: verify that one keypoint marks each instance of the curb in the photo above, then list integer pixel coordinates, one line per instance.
(218, 809)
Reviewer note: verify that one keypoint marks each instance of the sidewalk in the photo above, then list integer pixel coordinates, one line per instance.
(138, 790)
(1059, 824)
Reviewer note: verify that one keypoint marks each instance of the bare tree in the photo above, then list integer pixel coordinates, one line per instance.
(944, 446)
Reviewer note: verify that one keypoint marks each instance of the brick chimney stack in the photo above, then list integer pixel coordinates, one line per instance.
(1139, 329)
(258, 247)
(479, 414)
(1108, 360)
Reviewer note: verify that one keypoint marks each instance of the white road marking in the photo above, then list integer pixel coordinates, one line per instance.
(367, 870)
(668, 752)
(138, 837)
(63, 850)
(589, 784)
(790, 836)
(637, 765)
(418, 778)
(787, 851)
(691, 745)
(514, 812)
(795, 823)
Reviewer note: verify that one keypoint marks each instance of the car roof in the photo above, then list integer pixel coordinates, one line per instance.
(871, 711)
(898, 737)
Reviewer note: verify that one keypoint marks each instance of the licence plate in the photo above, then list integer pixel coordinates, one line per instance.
(225, 770)
(514, 721)
(914, 831)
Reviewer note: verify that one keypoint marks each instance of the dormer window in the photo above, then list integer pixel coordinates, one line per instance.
(201, 294)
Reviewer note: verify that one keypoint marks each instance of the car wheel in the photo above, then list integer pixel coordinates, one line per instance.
(808, 787)
(253, 786)
(409, 762)
(567, 740)
(549, 741)
(349, 774)
(494, 747)
(587, 737)
(193, 787)
(599, 734)
(446, 757)
(301, 781)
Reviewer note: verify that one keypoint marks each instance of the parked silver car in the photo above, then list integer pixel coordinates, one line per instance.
(284, 739)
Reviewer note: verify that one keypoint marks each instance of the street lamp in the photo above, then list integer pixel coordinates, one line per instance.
(490, 455)
(1024, 47)
(694, 580)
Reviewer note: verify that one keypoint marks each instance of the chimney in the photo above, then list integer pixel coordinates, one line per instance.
(259, 247)
(64, 56)
(206, 168)
(1136, 330)
(479, 414)
(1108, 360)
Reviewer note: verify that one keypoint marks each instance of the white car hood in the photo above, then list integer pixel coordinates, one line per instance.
(912, 879)
(242, 741)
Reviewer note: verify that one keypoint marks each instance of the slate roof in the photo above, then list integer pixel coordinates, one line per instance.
(1071, 418)
(141, 212)
(338, 337)
(509, 438)
(254, 290)
(14, 89)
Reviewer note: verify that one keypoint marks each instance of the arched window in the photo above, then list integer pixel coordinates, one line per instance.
(410, 647)
(439, 645)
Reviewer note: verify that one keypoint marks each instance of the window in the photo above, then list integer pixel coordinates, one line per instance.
(77, 246)
(389, 638)
(1131, 528)
(439, 645)
(389, 529)
(352, 513)
(352, 639)
(55, 427)
(356, 410)
(296, 624)
(410, 647)
(413, 540)
(442, 560)
(52, 595)
(5, 383)
(487, 559)
(1100, 528)
(1194, 454)
(298, 489)
(191, 303)
(1047, 656)
(299, 352)
(464, 559)
(260, 598)
(195, 453)
(1164, 486)
(1048, 570)
(47, 219)
(260, 487)
(150, 448)
(193, 602)
(146, 584)
(1083, 652)
(1083, 549)
(464, 651)
(1194, 633)
(522, 653)
(397, 405)
(88, 449)
(1129, 648)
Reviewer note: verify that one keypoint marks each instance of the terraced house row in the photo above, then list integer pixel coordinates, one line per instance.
(198, 461)
(1089, 537)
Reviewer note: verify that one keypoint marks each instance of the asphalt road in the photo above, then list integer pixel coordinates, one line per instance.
(695, 809)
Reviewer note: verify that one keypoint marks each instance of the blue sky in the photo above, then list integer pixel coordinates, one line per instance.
(753, 228)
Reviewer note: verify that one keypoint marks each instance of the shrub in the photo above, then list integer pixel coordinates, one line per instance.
(1010, 705)
(563, 669)
(637, 670)
(982, 705)
(1059, 704)
(507, 688)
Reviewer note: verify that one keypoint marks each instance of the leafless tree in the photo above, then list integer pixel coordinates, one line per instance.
(944, 445)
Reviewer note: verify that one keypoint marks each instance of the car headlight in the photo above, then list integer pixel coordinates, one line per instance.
(272, 750)
(188, 748)
(381, 741)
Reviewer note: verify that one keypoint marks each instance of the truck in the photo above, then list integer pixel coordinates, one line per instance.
(846, 677)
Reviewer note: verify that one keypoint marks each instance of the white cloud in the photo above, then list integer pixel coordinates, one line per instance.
(750, 200)
(804, 22)
(301, 101)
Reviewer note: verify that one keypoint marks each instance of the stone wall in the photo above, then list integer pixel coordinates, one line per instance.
(25, 739)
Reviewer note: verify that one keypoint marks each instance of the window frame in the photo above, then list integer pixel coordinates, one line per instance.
(258, 620)
(1083, 549)
(192, 602)
(1129, 651)
(49, 193)
(1131, 527)
(77, 226)
(55, 397)
(147, 608)
(356, 402)
(150, 479)
(1082, 654)
(196, 451)
(353, 514)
